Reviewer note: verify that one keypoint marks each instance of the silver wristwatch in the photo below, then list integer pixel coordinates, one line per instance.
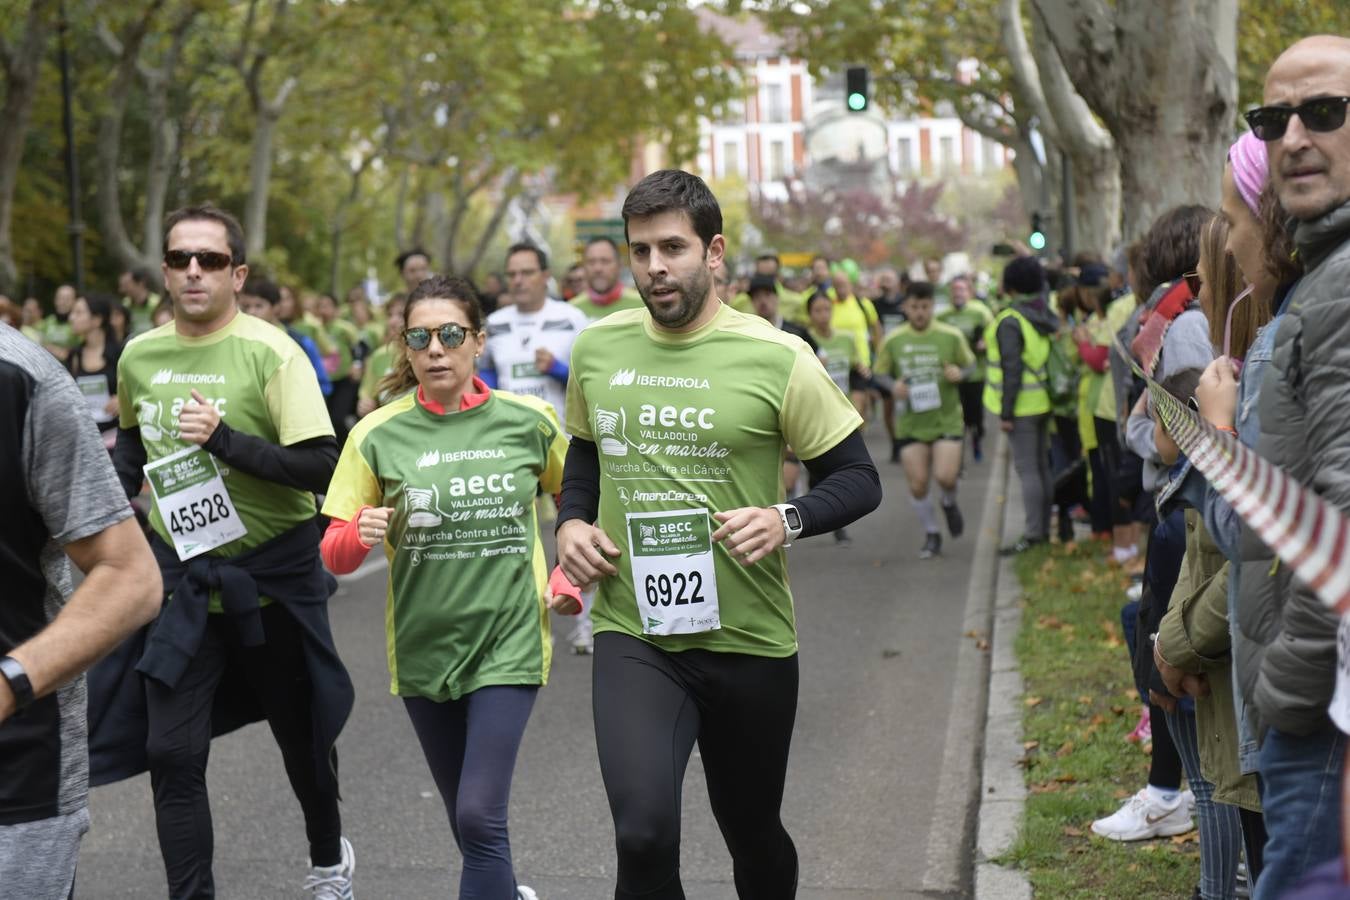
(792, 522)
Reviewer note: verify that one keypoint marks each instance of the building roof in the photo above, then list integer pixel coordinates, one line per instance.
(745, 33)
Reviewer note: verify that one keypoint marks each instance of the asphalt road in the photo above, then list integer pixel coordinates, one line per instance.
(879, 633)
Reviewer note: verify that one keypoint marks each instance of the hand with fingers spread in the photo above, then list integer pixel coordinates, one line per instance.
(373, 523)
(582, 552)
(750, 533)
(198, 419)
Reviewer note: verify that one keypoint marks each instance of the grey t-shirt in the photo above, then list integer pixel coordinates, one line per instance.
(57, 485)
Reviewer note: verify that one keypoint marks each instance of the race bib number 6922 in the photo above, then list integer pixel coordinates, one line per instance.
(671, 557)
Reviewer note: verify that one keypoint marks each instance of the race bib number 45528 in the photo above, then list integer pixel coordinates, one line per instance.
(193, 503)
(671, 558)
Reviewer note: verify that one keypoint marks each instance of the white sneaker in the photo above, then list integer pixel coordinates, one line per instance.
(581, 638)
(1190, 801)
(525, 893)
(1142, 818)
(333, 882)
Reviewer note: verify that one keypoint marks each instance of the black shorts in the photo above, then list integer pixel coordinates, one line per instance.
(905, 442)
(857, 382)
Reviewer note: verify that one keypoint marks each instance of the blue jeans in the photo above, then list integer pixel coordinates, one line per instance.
(1301, 793)
(1220, 826)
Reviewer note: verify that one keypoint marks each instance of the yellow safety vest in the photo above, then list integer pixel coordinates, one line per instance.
(1032, 398)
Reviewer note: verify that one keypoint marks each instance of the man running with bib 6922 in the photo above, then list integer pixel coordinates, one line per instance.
(680, 414)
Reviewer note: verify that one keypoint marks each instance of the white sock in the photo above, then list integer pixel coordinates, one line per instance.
(1166, 796)
(948, 497)
(927, 515)
(1124, 554)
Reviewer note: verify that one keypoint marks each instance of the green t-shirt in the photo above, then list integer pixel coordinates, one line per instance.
(838, 353)
(917, 358)
(467, 573)
(342, 338)
(971, 320)
(313, 329)
(628, 299)
(142, 316)
(379, 364)
(58, 333)
(263, 385)
(679, 427)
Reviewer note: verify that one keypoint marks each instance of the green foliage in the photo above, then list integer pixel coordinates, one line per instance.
(1267, 27)
(471, 99)
(1080, 702)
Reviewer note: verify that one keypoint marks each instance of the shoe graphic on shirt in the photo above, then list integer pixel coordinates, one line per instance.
(421, 512)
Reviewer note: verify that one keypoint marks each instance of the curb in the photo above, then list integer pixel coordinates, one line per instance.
(1003, 789)
(953, 820)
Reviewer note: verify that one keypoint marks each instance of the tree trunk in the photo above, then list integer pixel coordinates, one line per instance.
(1162, 77)
(400, 204)
(508, 193)
(259, 184)
(20, 68)
(163, 145)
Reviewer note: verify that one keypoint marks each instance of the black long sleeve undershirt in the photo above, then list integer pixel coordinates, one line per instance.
(305, 465)
(847, 486)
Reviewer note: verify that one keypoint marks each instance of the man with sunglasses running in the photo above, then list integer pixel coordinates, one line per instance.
(244, 632)
(1305, 428)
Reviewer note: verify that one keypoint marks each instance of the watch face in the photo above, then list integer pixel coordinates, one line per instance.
(794, 518)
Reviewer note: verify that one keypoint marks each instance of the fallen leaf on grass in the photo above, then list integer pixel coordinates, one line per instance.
(1190, 837)
(1085, 699)
(1070, 831)
(1030, 745)
(1066, 778)
(1120, 794)
(1064, 749)
(1045, 787)
(1032, 701)
(1118, 710)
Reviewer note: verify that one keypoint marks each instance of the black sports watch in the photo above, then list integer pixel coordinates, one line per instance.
(792, 522)
(17, 677)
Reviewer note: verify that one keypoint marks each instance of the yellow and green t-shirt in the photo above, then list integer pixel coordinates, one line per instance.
(262, 384)
(465, 604)
(917, 358)
(855, 316)
(342, 339)
(628, 299)
(58, 333)
(379, 364)
(699, 422)
(838, 353)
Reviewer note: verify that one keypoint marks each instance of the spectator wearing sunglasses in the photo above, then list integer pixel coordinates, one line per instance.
(443, 479)
(243, 391)
(1305, 428)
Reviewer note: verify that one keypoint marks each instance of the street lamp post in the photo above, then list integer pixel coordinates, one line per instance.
(76, 226)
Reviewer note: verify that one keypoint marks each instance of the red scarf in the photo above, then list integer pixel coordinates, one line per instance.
(1153, 324)
(610, 296)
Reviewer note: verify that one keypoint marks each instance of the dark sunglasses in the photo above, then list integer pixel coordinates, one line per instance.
(1322, 114)
(451, 335)
(1193, 282)
(208, 260)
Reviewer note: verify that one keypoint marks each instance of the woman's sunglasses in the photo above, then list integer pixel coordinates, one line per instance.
(451, 335)
(1269, 123)
(208, 260)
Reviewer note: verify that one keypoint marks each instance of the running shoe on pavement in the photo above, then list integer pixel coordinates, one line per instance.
(525, 893)
(333, 882)
(956, 523)
(1142, 818)
(932, 546)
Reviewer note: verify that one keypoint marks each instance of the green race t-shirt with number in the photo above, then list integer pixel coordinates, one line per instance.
(933, 409)
(838, 353)
(688, 425)
(971, 320)
(262, 384)
(467, 574)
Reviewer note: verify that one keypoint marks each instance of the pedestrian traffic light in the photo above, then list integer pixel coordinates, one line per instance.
(1037, 239)
(855, 88)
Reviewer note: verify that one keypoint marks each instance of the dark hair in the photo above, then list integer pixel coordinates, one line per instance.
(1024, 275)
(527, 247)
(402, 259)
(820, 257)
(140, 276)
(101, 305)
(1182, 384)
(770, 257)
(816, 296)
(1281, 257)
(234, 233)
(670, 190)
(1172, 246)
(438, 287)
(919, 290)
(1084, 258)
(263, 288)
(602, 239)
